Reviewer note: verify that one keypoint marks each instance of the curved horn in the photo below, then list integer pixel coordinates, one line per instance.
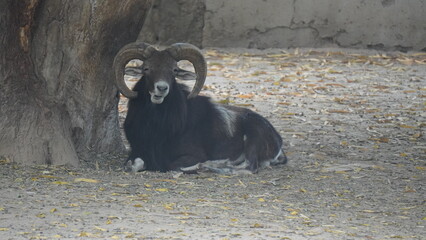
(186, 51)
(136, 50)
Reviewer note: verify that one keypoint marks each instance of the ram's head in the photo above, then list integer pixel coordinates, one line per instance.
(160, 68)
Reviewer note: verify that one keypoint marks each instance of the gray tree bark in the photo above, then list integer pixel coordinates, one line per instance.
(57, 97)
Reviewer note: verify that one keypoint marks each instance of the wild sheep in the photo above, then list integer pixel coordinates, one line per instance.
(170, 128)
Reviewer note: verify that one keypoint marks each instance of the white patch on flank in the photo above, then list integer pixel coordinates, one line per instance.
(229, 117)
(138, 165)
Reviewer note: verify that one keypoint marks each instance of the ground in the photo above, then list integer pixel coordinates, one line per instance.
(353, 125)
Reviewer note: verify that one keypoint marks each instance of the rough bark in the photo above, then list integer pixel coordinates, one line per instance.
(172, 21)
(58, 102)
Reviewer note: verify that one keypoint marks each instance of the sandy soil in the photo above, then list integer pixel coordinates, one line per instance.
(354, 129)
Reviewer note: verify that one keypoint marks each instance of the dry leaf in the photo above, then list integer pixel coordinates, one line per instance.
(100, 229)
(88, 180)
(257, 225)
(245, 96)
(161, 189)
(60, 183)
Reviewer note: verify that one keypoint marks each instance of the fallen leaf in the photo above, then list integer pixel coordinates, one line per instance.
(406, 126)
(245, 96)
(257, 225)
(60, 183)
(47, 176)
(88, 180)
(169, 206)
(161, 189)
(100, 229)
(369, 211)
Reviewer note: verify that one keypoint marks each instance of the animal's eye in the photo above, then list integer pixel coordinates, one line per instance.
(145, 69)
(175, 70)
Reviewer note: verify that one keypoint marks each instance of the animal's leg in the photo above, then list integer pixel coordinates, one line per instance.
(281, 158)
(188, 162)
(134, 165)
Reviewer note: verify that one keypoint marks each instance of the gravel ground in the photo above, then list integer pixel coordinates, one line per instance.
(353, 122)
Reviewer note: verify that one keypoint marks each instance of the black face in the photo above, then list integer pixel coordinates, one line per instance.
(160, 70)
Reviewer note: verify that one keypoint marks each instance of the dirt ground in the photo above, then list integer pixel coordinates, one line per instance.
(353, 122)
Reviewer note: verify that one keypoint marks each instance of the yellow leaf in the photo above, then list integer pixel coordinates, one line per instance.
(421, 168)
(257, 73)
(161, 189)
(137, 205)
(47, 176)
(147, 185)
(41, 215)
(169, 206)
(424, 218)
(294, 213)
(57, 236)
(115, 237)
(234, 220)
(406, 126)
(100, 229)
(369, 211)
(88, 180)
(83, 234)
(261, 200)
(334, 71)
(130, 235)
(4, 229)
(303, 190)
(62, 225)
(257, 225)
(53, 210)
(245, 95)
(224, 101)
(60, 183)
(73, 205)
(403, 154)
(108, 221)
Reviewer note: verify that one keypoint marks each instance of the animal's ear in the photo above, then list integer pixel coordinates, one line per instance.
(185, 75)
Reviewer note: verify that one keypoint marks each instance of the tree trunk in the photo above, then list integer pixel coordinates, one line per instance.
(57, 97)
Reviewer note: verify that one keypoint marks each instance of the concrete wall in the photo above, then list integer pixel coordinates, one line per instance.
(378, 24)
